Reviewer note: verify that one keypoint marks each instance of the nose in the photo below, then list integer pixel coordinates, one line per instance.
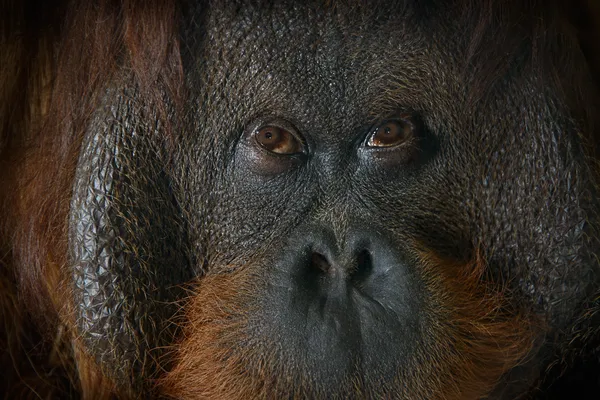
(361, 259)
(352, 261)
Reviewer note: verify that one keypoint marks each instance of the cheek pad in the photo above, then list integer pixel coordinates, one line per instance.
(126, 247)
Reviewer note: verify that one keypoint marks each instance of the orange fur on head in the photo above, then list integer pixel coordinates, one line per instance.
(478, 334)
(210, 359)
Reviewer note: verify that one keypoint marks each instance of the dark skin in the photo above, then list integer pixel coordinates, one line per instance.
(341, 206)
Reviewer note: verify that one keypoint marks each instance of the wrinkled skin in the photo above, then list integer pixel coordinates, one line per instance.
(329, 246)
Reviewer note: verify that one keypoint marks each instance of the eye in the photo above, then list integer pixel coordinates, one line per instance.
(278, 140)
(392, 133)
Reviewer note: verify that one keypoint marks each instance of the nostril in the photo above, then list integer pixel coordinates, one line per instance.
(359, 270)
(364, 265)
(319, 262)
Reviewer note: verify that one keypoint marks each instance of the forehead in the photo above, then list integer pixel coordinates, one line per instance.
(297, 58)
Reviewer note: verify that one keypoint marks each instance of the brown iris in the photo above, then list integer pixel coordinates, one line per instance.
(391, 133)
(278, 140)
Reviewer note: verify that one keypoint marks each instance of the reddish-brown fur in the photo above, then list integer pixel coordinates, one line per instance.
(216, 361)
(53, 67)
(44, 113)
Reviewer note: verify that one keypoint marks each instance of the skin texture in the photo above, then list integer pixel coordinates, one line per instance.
(158, 249)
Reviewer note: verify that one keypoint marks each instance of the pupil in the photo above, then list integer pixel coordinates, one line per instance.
(269, 135)
(387, 130)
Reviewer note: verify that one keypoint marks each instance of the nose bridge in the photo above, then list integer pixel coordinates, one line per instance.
(333, 215)
(335, 207)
